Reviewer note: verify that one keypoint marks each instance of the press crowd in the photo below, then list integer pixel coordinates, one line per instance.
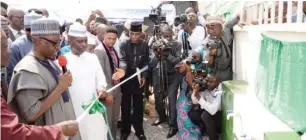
(50, 71)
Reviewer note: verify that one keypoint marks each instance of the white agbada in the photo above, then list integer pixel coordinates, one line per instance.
(88, 77)
(195, 39)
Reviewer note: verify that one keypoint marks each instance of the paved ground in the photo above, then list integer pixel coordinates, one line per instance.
(152, 132)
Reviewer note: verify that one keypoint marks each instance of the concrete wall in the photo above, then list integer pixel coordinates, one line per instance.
(247, 44)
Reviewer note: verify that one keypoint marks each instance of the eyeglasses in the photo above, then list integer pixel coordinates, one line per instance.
(6, 16)
(55, 44)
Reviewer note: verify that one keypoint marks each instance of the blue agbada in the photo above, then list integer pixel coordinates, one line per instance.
(19, 48)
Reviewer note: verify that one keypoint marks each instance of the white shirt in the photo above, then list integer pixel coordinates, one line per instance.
(195, 39)
(123, 37)
(201, 19)
(88, 77)
(210, 100)
(15, 32)
(9, 42)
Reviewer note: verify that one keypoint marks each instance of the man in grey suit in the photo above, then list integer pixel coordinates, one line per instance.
(109, 61)
(16, 17)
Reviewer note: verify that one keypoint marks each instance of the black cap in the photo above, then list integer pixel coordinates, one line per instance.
(4, 5)
(136, 27)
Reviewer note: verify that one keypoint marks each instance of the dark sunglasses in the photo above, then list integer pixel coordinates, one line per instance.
(28, 29)
(6, 16)
(55, 44)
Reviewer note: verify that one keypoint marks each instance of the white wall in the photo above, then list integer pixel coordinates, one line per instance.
(256, 118)
(247, 47)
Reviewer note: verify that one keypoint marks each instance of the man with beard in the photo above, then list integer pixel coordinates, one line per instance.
(88, 78)
(134, 53)
(43, 100)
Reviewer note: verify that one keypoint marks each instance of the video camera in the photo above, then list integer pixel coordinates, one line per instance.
(200, 79)
(156, 15)
(158, 44)
(182, 19)
(194, 60)
(215, 43)
(162, 46)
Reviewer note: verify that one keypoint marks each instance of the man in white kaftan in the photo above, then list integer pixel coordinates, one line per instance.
(88, 80)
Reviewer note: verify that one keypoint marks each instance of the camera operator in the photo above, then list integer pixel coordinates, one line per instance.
(220, 39)
(194, 9)
(192, 35)
(210, 104)
(169, 56)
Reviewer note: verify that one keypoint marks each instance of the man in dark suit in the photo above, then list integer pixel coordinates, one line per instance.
(134, 53)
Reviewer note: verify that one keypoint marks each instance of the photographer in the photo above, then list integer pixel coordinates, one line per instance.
(190, 71)
(166, 79)
(192, 35)
(220, 39)
(210, 103)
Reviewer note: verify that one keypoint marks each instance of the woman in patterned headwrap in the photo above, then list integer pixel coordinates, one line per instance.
(187, 129)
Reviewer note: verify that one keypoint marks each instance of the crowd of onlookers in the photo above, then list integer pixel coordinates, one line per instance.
(184, 79)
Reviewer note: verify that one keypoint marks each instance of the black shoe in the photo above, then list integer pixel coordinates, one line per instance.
(141, 137)
(172, 132)
(158, 122)
(124, 136)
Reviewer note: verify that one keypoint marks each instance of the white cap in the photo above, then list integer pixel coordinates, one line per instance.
(28, 18)
(91, 39)
(77, 30)
(127, 24)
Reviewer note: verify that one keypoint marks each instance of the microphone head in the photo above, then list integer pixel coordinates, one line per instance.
(62, 61)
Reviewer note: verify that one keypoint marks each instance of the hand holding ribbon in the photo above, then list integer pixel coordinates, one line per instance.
(94, 106)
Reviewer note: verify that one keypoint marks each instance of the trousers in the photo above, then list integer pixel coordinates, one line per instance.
(174, 80)
(132, 112)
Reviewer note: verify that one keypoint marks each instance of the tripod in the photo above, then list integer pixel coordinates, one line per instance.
(163, 83)
(162, 71)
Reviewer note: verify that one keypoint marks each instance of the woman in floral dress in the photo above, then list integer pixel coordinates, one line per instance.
(187, 129)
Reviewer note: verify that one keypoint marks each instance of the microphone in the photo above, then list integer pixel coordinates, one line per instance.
(62, 61)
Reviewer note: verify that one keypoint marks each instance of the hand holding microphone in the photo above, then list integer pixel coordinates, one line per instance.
(64, 80)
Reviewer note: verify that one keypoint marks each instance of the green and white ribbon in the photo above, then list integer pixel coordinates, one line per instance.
(94, 106)
(97, 107)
